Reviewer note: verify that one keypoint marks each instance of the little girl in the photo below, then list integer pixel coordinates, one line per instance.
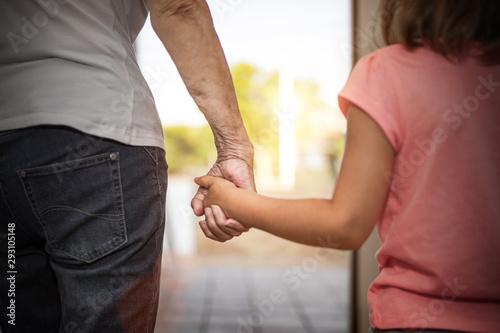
(422, 162)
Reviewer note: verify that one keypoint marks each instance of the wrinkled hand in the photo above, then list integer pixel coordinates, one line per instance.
(216, 225)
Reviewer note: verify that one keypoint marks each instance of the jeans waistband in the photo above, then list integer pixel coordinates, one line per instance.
(412, 330)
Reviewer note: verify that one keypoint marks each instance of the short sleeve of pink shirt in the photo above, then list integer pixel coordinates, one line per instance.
(371, 71)
(440, 230)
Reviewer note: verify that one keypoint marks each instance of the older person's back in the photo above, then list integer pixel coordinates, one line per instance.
(83, 175)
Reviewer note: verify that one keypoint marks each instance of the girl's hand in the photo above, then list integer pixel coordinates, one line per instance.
(218, 189)
(216, 226)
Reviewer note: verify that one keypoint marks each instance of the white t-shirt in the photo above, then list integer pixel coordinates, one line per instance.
(72, 63)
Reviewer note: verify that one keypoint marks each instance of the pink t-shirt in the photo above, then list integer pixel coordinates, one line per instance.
(440, 230)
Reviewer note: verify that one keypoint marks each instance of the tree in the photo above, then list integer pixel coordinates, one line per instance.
(258, 98)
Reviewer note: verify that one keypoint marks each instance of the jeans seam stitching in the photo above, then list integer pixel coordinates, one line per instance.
(33, 206)
(117, 187)
(158, 173)
(151, 155)
(107, 217)
(93, 255)
(69, 165)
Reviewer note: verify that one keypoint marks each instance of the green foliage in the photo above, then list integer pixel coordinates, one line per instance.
(257, 94)
(258, 98)
(337, 146)
(189, 147)
(309, 103)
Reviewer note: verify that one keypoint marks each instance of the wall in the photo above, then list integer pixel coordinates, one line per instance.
(364, 267)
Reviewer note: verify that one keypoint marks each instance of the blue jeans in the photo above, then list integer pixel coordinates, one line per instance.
(82, 222)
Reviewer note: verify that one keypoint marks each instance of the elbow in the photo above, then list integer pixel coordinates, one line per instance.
(354, 244)
(358, 233)
(351, 233)
(182, 9)
(351, 242)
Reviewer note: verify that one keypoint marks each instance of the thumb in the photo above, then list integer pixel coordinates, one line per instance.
(205, 181)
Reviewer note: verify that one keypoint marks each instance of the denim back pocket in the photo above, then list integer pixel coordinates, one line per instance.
(79, 204)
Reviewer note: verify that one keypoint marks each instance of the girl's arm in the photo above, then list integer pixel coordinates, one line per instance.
(344, 221)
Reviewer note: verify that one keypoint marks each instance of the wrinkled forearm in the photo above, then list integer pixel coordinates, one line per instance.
(186, 29)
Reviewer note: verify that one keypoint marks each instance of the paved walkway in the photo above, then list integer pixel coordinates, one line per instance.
(230, 299)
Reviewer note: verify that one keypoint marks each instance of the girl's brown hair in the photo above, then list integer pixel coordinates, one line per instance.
(449, 27)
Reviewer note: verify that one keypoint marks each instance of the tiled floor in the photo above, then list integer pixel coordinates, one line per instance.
(230, 299)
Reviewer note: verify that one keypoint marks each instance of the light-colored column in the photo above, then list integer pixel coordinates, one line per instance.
(287, 114)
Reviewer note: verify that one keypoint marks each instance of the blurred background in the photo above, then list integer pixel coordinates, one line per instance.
(289, 59)
(288, 64)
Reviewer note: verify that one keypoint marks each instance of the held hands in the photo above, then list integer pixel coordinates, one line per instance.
(213, 188)
(216, 225)
(217, 190)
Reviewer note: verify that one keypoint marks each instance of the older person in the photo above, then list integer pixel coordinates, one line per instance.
(82, 168)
